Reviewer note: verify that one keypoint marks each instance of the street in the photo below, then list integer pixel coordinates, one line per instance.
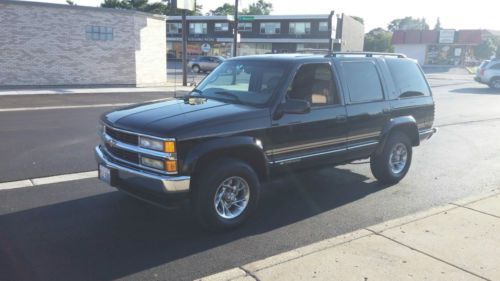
(86, 230)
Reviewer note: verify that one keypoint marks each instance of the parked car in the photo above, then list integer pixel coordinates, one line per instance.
(489, 73)
(204, 64)
(259, 117)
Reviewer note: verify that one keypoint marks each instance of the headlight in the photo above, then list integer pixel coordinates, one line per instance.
(150, 143)
(158, 145)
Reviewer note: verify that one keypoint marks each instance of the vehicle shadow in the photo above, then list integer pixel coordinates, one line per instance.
(111, 235)
(477, 91)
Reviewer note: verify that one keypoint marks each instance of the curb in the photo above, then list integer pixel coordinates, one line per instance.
(245, 272)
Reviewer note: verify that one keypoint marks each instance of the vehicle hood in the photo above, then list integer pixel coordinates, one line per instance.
(182, 119)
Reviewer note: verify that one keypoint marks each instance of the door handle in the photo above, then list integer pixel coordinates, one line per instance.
(341, 118)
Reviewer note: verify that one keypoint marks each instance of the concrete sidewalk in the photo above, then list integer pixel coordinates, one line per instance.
(459, 241)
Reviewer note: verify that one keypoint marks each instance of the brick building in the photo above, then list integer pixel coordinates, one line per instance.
(52, 45)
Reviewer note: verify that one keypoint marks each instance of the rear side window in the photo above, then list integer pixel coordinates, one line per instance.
(362, 81)
(409, 80)
(496, 66)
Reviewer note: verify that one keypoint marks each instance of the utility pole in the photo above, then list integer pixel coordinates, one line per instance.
(235, 32)
(184, 47)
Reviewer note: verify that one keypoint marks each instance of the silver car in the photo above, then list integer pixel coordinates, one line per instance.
(205, 63)
(489, 73)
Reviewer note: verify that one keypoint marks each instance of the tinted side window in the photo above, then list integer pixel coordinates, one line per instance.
(496, 66)
(314, 83)
(408, 78)
(362, 81)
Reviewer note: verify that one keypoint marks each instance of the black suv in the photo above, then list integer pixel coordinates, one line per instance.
(257, 117)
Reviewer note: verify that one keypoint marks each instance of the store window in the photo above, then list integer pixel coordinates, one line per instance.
(198, 28)
(270, 28)
(221, 27)
(300, 28)
(174, 28)
(323, 26)
(245, 26)
(99, 33)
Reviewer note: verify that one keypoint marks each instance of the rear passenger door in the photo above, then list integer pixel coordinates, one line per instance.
(366, 105)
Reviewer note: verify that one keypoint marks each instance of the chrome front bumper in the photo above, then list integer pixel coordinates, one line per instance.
(146, 179)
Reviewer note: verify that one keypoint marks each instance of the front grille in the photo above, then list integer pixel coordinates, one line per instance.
(122, 136)
(121, 154)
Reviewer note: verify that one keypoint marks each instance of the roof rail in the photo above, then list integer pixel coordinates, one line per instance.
(365, 54)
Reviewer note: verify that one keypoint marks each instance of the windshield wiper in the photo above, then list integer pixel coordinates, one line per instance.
(231, 95)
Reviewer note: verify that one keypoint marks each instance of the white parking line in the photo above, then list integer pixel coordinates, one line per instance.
(63, 107)
(47, 180)
(76, 106)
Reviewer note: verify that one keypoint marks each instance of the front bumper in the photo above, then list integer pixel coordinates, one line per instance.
(142, 180)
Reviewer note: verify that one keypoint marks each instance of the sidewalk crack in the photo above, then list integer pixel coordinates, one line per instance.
(429, 255)
(478, 211)
(249, 273)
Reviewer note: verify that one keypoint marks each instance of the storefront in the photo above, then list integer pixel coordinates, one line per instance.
(195, 49)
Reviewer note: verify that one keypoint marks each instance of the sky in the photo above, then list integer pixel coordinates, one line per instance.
(481, 14)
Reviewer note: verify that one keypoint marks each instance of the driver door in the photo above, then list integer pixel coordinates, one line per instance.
(317, 136)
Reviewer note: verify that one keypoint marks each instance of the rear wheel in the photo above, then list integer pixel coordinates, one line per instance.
(393, 162)
(495, 83)
(225, 195)
(196, 68)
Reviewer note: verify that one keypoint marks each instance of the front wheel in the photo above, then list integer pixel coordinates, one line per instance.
(391, 164)
(196, 68)
(225, 194)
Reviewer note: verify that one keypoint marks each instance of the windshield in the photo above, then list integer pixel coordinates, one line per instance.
(245, 82)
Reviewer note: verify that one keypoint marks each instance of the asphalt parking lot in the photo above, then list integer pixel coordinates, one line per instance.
(85, 230)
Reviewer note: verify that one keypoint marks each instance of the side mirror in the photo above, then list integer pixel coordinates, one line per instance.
(295, 106)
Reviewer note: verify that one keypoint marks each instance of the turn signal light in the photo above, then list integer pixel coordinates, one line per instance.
(171, 166)
(169, 147)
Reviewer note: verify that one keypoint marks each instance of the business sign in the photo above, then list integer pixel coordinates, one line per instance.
(185, 4)
(447, 36)
(246, 18)
(205, 48)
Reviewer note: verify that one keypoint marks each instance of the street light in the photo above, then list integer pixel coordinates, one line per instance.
(235, 33)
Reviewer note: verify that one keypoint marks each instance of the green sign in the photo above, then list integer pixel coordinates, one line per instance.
(246, 18)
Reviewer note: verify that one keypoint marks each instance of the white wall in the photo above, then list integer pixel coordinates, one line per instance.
(414, 51)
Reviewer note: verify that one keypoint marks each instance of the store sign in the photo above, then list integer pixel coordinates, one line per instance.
(246, 18)
(205, 48)
(185, 4)
(447, 36)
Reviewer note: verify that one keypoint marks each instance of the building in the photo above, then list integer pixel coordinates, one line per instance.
(263, 34)
(56, 45)
(439, 47)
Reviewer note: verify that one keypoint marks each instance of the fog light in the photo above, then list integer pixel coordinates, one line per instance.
(152, 163)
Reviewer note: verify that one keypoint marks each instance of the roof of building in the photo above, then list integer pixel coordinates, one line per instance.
(466, 37)
(76, 7)
(255, 17)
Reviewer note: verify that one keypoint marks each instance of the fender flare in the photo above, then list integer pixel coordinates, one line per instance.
(223, 145)
(408, 123)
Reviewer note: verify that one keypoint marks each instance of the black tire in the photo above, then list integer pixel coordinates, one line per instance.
(207, 184)
(380, 162)
(196, 68)
(495, 84)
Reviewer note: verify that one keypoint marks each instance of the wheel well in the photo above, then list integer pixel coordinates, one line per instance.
(410, 130)
(195, 65)
(249, 155)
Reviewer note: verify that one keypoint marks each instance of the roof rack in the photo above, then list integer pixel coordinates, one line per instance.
(366, 54)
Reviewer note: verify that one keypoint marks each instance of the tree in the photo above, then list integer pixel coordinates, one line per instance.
(408, 23)
(70, 2)
(144, 6)
(261, 7)
(224, 10)
(378, 40)
(360, 19)
(438, 24)
(486, 49)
